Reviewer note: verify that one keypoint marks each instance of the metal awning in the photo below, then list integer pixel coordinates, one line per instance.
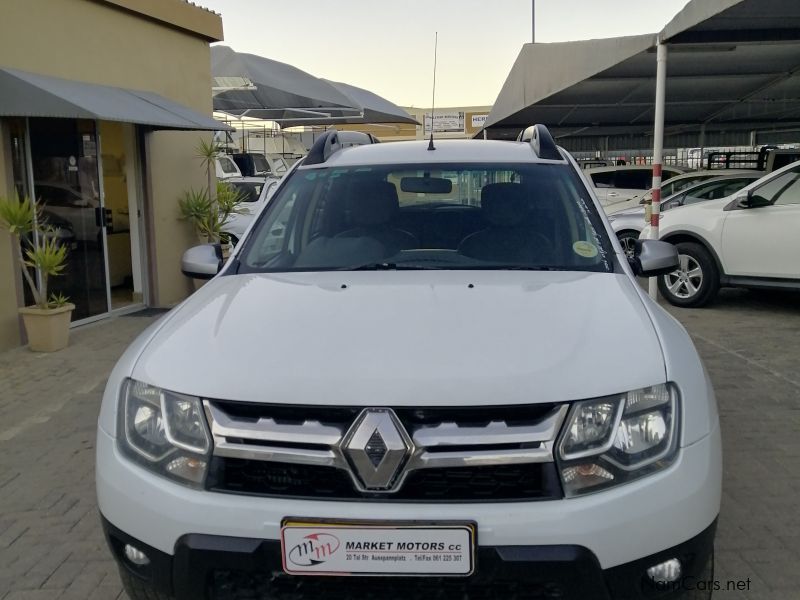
(24, 94)
(734, 65)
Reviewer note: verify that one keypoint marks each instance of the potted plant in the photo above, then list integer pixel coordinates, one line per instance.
(47, 321)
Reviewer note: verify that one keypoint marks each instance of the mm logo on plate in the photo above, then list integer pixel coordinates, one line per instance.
(314, 549)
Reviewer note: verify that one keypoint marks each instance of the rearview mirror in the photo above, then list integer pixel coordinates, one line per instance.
(426, 185)
(202, 262)
(654, 257)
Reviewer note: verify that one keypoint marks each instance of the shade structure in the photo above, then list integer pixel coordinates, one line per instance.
(258, 87)
(733, 66)
(261, 88)
(24, 94)
(374, 109)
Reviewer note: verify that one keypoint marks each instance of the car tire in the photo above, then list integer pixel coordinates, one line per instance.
(696, 281)
(138, 589)
(627, 239)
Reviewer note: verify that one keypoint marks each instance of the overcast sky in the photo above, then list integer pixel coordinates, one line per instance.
(387, 46)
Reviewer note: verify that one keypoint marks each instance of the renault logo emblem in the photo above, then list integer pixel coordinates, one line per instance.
(376, 448)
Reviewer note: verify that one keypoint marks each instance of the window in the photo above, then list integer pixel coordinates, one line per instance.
(250, 192)
(429, 217)
(603, 179)
(634, 179)
(260, 164)
(227, 165)
(784, 189)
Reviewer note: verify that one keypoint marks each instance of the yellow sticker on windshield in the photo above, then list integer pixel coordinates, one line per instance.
(585, 249)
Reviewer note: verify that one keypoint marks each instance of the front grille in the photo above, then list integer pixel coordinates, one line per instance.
(536, 481)
(234, 585)
(437, 454)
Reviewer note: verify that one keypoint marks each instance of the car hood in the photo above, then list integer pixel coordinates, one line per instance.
(407, 338)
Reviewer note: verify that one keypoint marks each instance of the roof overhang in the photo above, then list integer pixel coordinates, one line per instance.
(24, 94)
(732, 65)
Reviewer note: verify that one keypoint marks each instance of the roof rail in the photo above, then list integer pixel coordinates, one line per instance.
(332, 141)
(541, 141)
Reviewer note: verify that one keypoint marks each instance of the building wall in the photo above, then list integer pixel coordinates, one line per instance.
(9, 324)
(161, 47)
(401, 132)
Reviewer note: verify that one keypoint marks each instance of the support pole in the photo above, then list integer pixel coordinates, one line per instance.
(533, 21)
(658, 148)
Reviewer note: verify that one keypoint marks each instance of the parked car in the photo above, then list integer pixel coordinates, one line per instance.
(256, 192)
(629, 223)
(226, 167)
(419, 391)
(746, 240)
(616, 185)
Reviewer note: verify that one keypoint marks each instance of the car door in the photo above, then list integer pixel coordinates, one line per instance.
(763, 241)
(603, 182)
(629, 184)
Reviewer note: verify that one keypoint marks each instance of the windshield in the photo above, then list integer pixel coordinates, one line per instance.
(527, 216)
(249, 192)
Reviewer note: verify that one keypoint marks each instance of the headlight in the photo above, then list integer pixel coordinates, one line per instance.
(613, 440)
(165, 432)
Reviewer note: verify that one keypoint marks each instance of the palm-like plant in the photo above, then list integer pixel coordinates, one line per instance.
(206, 216)
(22, 219)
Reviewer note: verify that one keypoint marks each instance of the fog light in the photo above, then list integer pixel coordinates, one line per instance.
(136, 556)
(665, 572)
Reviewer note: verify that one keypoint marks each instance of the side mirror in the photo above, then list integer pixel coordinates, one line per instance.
(654, 257)
(202, 262)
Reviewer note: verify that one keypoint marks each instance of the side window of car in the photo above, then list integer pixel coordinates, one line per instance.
(782, 190)
(634, 179)
(603, 179)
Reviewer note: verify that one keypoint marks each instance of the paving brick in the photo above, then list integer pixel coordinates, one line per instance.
(51, 545)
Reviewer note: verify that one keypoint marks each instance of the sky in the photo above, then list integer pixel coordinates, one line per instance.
(387, 47)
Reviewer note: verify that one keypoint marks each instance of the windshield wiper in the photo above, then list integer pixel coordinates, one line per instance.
(388, 266)
(513, 268)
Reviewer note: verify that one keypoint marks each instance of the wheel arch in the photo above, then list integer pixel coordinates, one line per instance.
(677, 237)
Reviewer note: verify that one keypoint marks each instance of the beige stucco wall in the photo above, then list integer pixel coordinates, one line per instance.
(9, 325)
(98, 42)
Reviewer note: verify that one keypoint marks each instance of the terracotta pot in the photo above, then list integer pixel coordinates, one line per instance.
(47, 328)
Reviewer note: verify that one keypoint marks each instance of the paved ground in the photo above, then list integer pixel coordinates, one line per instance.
(50, 541)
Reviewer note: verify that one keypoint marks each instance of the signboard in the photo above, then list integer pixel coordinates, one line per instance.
(445, 122)
(478, 121)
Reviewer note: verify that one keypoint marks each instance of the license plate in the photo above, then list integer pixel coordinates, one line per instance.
(393, 549)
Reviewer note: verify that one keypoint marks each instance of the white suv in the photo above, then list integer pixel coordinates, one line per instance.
(399, 385)
(749, 239)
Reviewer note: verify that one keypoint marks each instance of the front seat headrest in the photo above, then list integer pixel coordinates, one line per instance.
(372, 203)
(504, 204)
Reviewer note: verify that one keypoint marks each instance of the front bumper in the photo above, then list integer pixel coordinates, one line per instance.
(617, 526)
(230, 568)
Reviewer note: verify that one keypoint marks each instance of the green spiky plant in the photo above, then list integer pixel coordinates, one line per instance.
(208, 152)
(208, 217)
(23, 220)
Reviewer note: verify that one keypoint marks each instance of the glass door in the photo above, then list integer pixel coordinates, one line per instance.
(66, 181)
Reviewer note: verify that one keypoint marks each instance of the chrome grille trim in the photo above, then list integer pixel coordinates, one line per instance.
(312, 443)
(496, 432)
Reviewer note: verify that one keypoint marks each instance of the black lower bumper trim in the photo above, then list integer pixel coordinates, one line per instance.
(229, 568)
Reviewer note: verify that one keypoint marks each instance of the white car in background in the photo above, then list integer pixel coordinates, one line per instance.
(628, 223)
(615, 186)
(256, 193)
(749, 240)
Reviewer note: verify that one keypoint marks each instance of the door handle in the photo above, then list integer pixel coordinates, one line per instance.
(102, 217)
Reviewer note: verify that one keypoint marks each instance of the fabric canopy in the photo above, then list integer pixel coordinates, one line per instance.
(733, 65)
(257, 87)
(24, 94)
